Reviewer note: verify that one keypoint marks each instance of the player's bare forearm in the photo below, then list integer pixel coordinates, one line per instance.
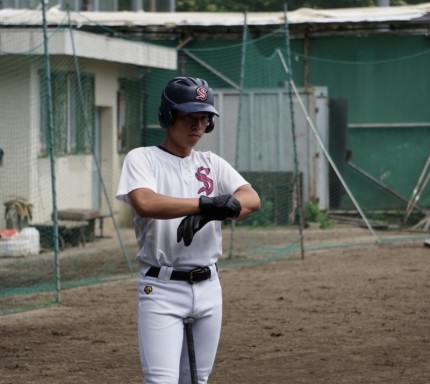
(147, 203)
(249, 200)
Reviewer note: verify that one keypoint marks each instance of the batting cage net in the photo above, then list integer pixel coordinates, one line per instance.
(334, 138)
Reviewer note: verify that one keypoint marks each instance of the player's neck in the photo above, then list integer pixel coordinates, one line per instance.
(166, 150)
(175, 149)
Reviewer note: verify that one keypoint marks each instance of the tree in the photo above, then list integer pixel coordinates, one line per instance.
(275, 5)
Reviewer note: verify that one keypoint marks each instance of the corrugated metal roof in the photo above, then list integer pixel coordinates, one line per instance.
(55, 16)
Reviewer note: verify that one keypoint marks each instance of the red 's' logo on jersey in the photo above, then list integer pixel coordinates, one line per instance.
(208, 184)
(202, 93)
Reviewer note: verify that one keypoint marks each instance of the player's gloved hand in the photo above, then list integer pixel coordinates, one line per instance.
(220, 207)
(190, 225)
(212, 208)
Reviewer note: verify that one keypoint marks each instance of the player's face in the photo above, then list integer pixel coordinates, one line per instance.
(187, 130)
(194, 121)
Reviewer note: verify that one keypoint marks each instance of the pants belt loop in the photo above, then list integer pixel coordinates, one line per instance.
(165, 273)
(214, 271)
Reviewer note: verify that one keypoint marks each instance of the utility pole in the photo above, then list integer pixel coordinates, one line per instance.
(172, 6)
(137, 5)
(165, 6)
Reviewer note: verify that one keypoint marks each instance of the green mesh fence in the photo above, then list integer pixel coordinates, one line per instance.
(344, 149)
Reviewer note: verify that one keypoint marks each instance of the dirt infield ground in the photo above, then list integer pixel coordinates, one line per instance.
(356, 315)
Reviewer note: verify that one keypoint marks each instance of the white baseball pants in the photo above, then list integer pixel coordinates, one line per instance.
(162, 307)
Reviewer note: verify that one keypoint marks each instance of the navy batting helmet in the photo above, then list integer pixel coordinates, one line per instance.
(186, 94)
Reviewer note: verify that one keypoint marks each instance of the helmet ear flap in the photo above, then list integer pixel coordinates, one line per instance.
(211, 124)
(165, 117)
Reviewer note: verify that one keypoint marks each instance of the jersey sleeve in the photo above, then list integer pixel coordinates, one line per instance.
(136, 173)
(229, 178)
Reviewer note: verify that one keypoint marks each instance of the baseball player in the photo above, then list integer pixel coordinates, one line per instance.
(178, 197)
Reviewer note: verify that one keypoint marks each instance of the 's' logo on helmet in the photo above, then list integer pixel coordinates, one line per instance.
(208, 184)
(202, 93)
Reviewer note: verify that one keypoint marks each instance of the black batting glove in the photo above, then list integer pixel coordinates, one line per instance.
(211, 208)
(190, 225)
(220, 207)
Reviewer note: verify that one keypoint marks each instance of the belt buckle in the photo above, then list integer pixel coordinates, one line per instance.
(191, 279)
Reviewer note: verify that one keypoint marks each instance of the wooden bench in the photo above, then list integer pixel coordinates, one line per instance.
(88, 215)
(70, 233)
(102, 216)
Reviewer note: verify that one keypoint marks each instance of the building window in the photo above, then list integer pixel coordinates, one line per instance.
(73, 111)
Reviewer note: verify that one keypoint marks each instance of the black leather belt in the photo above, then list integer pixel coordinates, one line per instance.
(195, 276)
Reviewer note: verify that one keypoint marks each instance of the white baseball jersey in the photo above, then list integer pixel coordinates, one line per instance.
(201, 173)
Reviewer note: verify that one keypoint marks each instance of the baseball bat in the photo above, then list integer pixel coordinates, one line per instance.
(188, 324)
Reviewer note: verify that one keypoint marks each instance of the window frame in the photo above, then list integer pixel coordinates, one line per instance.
(73, 118)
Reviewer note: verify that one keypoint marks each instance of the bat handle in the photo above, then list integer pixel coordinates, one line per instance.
(188, 324)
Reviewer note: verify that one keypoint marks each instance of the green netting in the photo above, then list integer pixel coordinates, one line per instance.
(350, 137)
(384, 80)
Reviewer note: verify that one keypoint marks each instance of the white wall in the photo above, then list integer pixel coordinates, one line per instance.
(15, 131)
(23, 173)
